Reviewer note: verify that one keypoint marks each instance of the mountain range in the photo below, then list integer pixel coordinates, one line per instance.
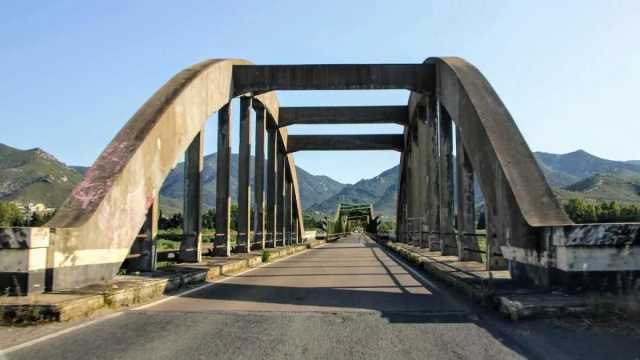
(36, 176)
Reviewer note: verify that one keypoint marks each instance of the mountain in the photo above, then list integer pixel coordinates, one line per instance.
(380, 191)
(34, 176)
(565, 169)
(313, 188)
(605, 187)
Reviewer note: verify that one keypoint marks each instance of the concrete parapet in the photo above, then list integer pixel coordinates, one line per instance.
(23, 260)
(498, 289)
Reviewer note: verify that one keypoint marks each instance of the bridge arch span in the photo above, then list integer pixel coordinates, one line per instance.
(99, 221)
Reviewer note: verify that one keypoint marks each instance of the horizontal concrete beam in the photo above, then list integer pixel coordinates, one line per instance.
(345, 142)
(259, 78)
(343, 115)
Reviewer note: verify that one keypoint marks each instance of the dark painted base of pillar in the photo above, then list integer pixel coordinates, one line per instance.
(240, 249)
(22, 283)
(190, 255)
(574, 282)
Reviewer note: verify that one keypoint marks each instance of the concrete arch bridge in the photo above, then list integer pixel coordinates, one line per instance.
(450, 103)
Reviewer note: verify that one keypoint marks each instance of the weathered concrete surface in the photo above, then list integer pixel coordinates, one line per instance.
(348, 300)
(343, 115)
(496, 288)
(93, 232)
(190, 246)
(344, 142)
(223, 196)
(244, 183)
(23, 260)
(259, 183)
(258, 78)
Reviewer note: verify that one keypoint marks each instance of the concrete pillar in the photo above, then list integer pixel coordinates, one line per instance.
(146, 246)
(288, 212)
(280, 196)
(244, 184)
(423, 155)
(272, 185)
(432, 185)
(190, 247)
(223, 200)
(258, 215)
(447, 236)
(466, 205)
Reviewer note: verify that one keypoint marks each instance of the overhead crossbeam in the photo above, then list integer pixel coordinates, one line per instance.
(345, 142)
(260, 78)
(335, 115)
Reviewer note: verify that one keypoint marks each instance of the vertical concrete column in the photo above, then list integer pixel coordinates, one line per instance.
(190, 247)
(258, 214)
(423, 154)
(288, 213)
(244, 184)
(447, 237)
(280, 197)
(223, 167)
(433, 188)
(272, 185)
(400, 202)
(146, 246)
(466, 205)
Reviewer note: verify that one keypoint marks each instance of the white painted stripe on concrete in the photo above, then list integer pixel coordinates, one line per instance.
(111, 316)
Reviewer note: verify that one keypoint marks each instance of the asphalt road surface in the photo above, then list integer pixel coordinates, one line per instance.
(344, 300)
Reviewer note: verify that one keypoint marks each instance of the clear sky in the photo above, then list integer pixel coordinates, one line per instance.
(73, 72)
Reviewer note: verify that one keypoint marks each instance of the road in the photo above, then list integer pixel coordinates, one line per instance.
(344, 300)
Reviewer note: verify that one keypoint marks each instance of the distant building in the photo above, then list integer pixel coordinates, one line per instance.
(28, 209)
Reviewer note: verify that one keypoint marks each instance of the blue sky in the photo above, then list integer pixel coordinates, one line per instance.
(73, 72)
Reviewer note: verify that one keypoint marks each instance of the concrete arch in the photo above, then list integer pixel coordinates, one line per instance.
(515, 190)
(94, 229)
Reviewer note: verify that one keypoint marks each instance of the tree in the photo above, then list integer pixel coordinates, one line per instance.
(209, 219)
(10, 215)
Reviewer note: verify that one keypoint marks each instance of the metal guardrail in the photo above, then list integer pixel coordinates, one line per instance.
(209, 247)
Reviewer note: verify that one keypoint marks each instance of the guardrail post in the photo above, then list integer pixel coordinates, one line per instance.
(223, 167)
(258, 215)
(244, 185)
(191, 244)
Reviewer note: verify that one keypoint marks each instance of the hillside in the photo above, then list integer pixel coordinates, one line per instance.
(565, 169)
(380, 191)
(313, 188)
(605, 187)
(34, 176)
